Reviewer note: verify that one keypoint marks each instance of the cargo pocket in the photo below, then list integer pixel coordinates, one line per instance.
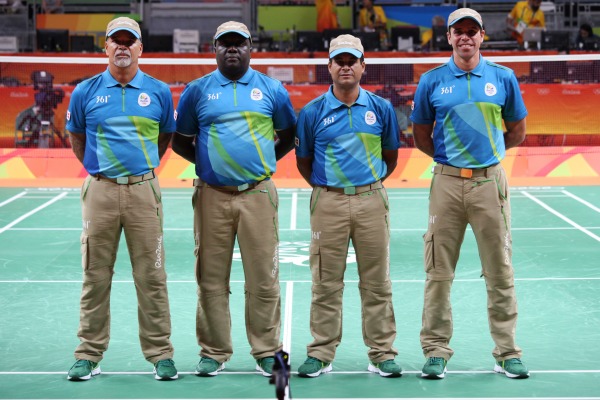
(429, 252)
(85, 253)
(315, 261)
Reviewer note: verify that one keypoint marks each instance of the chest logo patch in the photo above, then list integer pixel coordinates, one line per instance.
(490, 90)
(144, 100)
(370, 118)
(256, 94)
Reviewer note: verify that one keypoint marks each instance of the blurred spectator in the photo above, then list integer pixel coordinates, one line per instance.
(326, 15)
(525, 14)
(426, 42)
(586, 39)
(16, 6)
(372, 18)
(52, 7)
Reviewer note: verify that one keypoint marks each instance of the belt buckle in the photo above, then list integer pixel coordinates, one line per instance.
(350, 190)
(466, 173)
(123, 180)
(243, 187)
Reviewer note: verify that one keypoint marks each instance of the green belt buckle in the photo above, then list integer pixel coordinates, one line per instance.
(123, 180)
(243, 187)
(350, 190)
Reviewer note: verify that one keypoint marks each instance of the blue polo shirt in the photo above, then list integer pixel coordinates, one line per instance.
(468, 109)
(234, 123)
(121, 124)
(346, 143)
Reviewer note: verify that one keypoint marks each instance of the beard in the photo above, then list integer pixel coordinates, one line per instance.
(122, 62)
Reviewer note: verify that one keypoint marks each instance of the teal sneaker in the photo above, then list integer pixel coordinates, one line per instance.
(165, 370)
(265, 365)
(83, 370)
(434, 368)
(387, 369)
(209, 367)
(314, 367)
(513, 368)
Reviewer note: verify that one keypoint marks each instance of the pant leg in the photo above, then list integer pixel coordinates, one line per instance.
(445, 234)
(143, 226)
(258, 238)
(371, 240)
(489, 216)
(100, 204)
(330, 235)
(214, 231)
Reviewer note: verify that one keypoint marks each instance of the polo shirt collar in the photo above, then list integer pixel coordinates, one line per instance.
(478, 71)
(136, 82)
(335, 103)
(244, 80)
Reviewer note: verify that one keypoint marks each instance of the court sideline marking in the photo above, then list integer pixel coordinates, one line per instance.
(559, 215)
(15, 197)
(30, 213)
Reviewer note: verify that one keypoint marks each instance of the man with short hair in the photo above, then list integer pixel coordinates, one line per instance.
(234, 123)
(459, 110)
(120, 123)
(346, 146)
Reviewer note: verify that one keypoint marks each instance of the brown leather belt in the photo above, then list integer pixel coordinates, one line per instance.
(127, 180)
(466, 173)
(240, 188)
(353, 190)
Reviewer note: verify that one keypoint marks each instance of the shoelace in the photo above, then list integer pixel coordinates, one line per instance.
(168, 363)
(436, 360)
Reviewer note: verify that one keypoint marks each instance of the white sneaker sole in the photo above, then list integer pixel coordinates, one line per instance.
(372, 368)
(262, 371)
(323, 370)
(95, 371)
(215, 373)
(165, 378)
(500, 370)
(429, 376)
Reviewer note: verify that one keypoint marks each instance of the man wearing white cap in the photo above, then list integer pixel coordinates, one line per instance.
(347, 144)
(120, 124)
(234, 123)
(459, 110)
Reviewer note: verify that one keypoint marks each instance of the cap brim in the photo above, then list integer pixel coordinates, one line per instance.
(354, 52)
(244, 34)
(465, 17)
(134, 33)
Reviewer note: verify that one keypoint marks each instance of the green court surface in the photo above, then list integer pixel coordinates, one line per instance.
(556, 253)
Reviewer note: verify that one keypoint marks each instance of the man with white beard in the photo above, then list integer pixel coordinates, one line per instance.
(120, 124)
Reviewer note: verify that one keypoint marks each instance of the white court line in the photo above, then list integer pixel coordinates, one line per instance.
(16, 196)
(560, 228)
(287, 323)
(582, 201)
(559, 215)
(334, 372)
(21, 218)
(465, 280)
(293, 211)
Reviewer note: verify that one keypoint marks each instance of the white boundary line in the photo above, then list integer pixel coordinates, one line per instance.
(559, 215)
(287, 323)
(335, 372)
(21, 218)
(466, 280)
(582, 201)
(15, 197)
(293, 211)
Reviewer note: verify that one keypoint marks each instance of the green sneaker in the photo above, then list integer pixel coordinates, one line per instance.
(165, 370)
(209, 367)
(387, 369)
(83, 370)
(265, 365)
(513, 368)
(314, 367)
(434, 368)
